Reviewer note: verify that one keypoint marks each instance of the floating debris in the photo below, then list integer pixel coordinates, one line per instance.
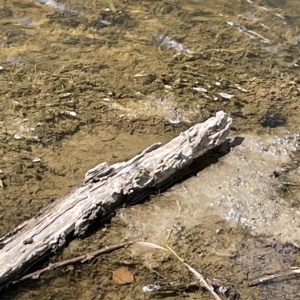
(139, 75)
(104, 22)
(265, 40)
(280, 16)
(71, 113)
(240, 88)
(64, 95)
(150, 288)
(250, 15)
(106, 99)
(138, 95)
(217, 83)
(17, 137)
(25, 21)
(250, 33)
(1, 68)
(199, 89)
(15, 103)
(164, 40)
(261, 7)
(16, 62)
(226, 96)
(175, 121)
(36, 160)
(272, 49)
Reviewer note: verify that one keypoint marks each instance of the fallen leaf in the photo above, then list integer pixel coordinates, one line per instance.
(122, 276)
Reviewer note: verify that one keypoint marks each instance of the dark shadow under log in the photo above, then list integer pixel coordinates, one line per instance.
(105, 188)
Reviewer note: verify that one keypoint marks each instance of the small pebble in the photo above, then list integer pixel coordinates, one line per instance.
(226, 96)
(139, 75)
(71, 113)
(138, 94)
(65, 95)
(16, 62)
(175, 121)
(104, 22)
(199, 89)
(150, 288)
(240, 88)
(280, 16)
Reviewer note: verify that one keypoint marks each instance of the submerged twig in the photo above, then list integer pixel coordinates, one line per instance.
(82, 258)
(197, 275)
(274, 276)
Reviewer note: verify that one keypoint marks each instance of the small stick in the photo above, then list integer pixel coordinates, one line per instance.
(270, 277)
(81, 258)
(197, 275)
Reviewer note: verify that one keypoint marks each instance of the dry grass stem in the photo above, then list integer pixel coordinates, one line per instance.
(274, 276)
(196, 274)
(81, 258)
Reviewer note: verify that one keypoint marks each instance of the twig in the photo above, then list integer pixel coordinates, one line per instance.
(197, 275)
(274, 276)
(81, 258)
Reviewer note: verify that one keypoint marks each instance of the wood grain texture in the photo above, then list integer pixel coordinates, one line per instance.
(105, 188)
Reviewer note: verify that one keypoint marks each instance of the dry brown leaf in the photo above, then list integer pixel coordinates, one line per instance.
(122, 276)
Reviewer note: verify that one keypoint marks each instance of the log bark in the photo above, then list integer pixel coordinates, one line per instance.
(104, 188)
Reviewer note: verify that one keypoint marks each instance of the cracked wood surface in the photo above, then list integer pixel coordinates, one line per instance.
(105, 188)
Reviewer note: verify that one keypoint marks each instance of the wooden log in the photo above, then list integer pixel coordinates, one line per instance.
(104, 188)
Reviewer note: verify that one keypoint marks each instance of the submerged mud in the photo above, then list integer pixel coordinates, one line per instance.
(229, 222)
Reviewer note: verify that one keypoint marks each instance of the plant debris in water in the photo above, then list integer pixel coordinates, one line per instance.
(165, 41)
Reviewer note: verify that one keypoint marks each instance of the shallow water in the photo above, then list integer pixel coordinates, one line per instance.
(84, 83)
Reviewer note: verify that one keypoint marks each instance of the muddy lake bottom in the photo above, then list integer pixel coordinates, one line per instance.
(230, 249)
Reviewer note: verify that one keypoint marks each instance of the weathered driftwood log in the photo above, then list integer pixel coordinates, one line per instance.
(104, 188)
